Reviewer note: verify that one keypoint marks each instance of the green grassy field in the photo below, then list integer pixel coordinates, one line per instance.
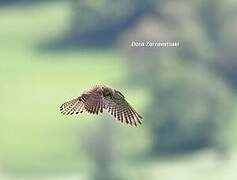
(32, 129)
(36, 139)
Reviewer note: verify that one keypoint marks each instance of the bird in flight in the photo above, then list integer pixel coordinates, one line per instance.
(99, 98)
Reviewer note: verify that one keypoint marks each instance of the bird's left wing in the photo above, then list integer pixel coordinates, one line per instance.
(121, 109)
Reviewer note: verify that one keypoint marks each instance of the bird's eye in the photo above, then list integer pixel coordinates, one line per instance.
(106, 93)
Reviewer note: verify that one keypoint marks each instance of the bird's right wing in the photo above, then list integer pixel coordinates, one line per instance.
(90, 101)
(72, 106)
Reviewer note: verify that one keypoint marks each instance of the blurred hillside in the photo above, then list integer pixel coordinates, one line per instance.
(52, 50)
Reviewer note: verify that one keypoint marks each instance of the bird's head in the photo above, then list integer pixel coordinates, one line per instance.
(108, 91)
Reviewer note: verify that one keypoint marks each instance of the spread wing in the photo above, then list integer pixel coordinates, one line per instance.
(93, 101)
(120, 109)
(90, 101)
(73, 106)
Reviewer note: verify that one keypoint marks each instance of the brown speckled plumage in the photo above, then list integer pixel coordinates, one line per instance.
(99, 98)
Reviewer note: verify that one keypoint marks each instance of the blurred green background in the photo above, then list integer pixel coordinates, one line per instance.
(52, 50)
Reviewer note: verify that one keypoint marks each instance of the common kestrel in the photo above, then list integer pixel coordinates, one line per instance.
(100, 97)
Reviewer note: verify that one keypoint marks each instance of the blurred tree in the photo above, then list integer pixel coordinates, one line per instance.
(25, 2)
(101, 149)
(219, 22)
(191, 103)
(100, 23)
(190, 112)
